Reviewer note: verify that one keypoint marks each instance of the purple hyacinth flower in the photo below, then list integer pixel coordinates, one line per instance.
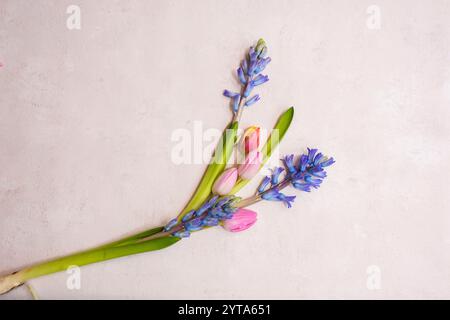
(252, 100)
(210, 221)
(327, 163)
(317, 159)
(229, 94)
(248, 89)
(318, 172)
(228, 208)
(194, 225)
(302, 186)
(271, 195)
(259, 79)
(315, 183)
(217, 213)
(275, 195)
(172, 223)
(208, 204)
(182, 234)
(226, 204)
(303, 162)
(235, 102)
(252, 54)
(244, 65)
(251, 69)
(188, 216)
(286, 199)
(264, 184)
(222, 202)
(289, 163)
(241, 76)
(276, 174)
(228, 216)
(311, 154)
(261, 65)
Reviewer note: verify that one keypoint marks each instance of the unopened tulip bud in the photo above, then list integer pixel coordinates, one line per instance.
(249, 140)
(251, 165)
(242, 219)
(225, 182)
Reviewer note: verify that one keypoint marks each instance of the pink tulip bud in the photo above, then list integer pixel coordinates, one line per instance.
(242, 220)
(225, 182)
(249, 140)
(251, 165)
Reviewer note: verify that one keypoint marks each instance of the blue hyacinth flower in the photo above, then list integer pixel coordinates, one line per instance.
(188, 216)
(194, 224)
(172, 223)
(252, 100)
(241, 76)
(307, 174)
(260, 79)
(264, 183)
(276, 175)
(286, 199)
(248, 74)
(327, 163)
(208, 204)
(289, 163)
(229, 94)
(210, 221)
(182, 234)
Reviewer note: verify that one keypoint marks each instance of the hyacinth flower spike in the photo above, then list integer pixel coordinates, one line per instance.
(308, 173)
(249, 76)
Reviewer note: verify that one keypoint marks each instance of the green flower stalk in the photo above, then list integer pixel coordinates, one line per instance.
(103, 253)
(217, 165)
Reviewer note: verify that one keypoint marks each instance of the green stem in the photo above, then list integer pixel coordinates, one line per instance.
(217, 165)
(258, 197)
(133, 238)
(103, 253)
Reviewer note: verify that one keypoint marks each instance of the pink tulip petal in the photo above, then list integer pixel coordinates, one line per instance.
(242, 220)
(225, 182)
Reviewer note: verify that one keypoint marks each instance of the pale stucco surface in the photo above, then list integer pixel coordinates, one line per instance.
(86, 118)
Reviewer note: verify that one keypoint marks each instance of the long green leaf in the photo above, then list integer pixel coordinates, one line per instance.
(278, 132)
(95, 255)
(217, 165)
(133, 238)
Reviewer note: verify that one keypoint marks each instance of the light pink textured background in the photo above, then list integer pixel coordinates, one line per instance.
(86, 118)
